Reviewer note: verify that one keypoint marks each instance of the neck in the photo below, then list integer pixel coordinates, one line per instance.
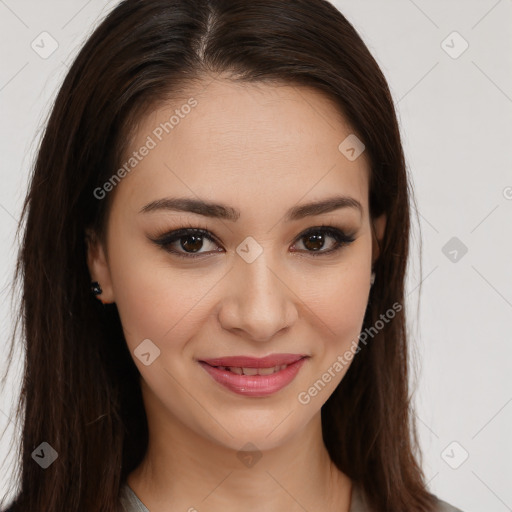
(188, 471)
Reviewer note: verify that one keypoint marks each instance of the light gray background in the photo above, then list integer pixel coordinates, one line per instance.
(456, 121)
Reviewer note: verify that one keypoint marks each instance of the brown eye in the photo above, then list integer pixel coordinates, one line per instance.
(314, 242)
(315, 238)
(191, 241)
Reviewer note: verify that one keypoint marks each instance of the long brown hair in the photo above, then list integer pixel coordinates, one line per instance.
(80, 387)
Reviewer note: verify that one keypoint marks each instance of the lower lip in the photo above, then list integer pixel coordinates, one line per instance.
(255, 385)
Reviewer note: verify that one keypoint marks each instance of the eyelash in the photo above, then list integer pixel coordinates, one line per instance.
(340, 237)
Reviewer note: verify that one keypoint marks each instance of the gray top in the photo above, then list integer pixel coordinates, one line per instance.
(131, 503)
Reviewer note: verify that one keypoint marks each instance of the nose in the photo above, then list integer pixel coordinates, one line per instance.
(257, 303)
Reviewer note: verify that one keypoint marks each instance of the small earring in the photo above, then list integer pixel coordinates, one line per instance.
(96, 288)
(372, 278)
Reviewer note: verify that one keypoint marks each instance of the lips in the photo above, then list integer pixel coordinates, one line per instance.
(254, 377)
(252, 371)
(269, 361)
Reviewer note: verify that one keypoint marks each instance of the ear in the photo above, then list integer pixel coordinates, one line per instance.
(379, 227)
(98, 266)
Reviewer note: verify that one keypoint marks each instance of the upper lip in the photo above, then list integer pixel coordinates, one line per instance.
(253, 362)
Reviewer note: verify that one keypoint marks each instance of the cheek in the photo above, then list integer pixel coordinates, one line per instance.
(155, 300)
(338, 299)
(336, 317)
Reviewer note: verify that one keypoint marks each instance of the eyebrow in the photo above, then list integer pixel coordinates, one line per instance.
(222, 211)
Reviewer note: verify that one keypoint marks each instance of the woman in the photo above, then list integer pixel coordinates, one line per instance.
(213, 271)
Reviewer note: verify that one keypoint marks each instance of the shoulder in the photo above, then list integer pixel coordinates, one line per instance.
(442, 506)
(125, 504)
(124, 500)
(359, 502)
(129, 502)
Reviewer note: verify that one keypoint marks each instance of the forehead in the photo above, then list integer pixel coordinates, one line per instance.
(232, 141)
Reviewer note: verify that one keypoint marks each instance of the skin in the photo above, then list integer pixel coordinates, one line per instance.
(261, 149)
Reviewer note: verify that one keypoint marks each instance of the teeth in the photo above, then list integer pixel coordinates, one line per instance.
(254, 371)
(250, 371)
(265, 371)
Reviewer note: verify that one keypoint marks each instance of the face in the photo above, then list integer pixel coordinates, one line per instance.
(262, 275)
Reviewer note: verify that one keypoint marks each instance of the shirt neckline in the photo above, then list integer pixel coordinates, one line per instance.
(357, 503)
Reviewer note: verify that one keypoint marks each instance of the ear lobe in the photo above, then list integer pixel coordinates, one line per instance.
(378, 230)
(98, 266)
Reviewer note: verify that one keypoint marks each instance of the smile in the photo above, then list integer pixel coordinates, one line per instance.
(253, 371)
(257, 381)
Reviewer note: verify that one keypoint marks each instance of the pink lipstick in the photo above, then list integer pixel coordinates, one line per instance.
(254, 377)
